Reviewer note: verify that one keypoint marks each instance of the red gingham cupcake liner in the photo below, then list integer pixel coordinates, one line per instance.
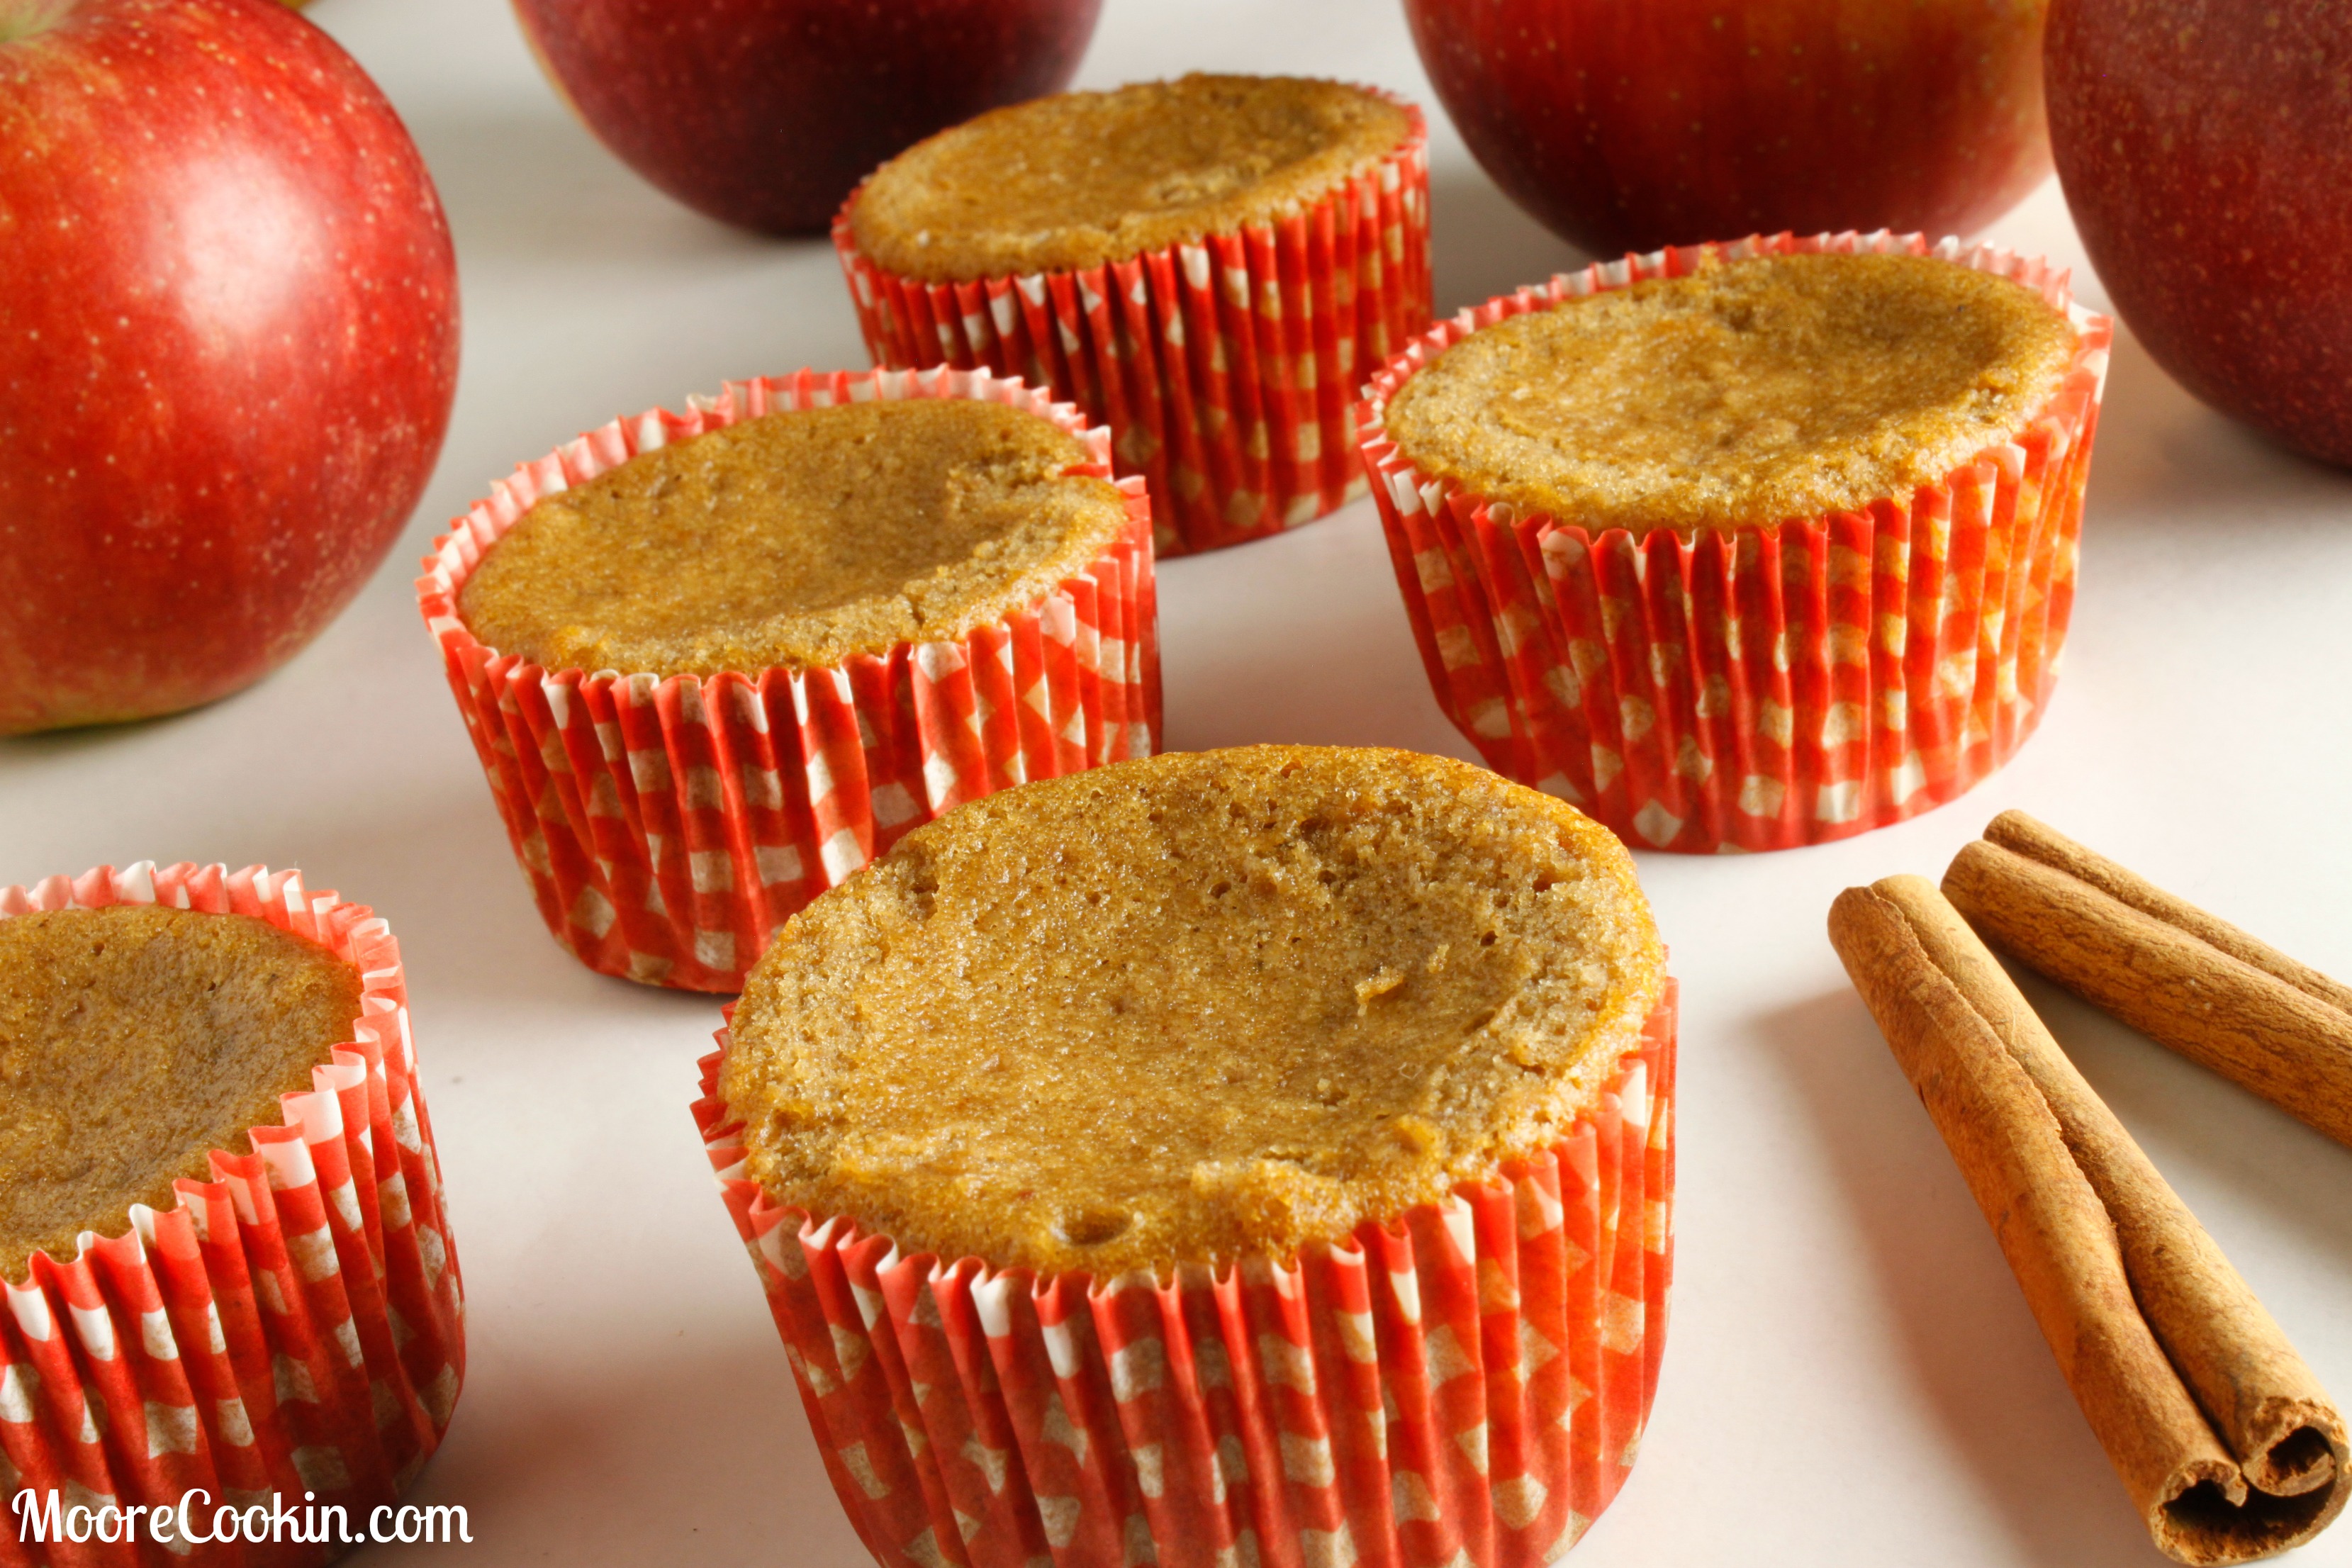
(294, 1325)
(1226, 367)
(670, 825)
(1466, 1385)
(1762, 688)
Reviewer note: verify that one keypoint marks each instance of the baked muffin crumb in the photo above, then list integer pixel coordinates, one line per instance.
(133, 1041)
(799, 539)
(1192, 1008)
(1745, 393)
(1081, 179)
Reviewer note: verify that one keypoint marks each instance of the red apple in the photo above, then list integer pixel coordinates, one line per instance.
(2205, 147)
(229, 329)
(765, 113)
(1628, 124)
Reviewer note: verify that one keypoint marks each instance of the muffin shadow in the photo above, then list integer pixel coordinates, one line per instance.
(1960, 1320)
(2204, 1132)
(610, 1466)
(1318, 604)
(435, 864)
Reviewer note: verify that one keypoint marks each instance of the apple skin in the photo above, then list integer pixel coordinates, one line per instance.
(229, 322)
(2205, 147)
(766, 113)
(1625, 125)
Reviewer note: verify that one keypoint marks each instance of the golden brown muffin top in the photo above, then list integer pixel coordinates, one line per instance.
(797, 539)
(134, 1040)
(1193, 1007)
(1085, 178)
(1746, 393)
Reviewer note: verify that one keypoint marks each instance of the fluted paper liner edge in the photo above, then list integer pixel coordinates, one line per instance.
(1226, 367)
(1760, 688)
(669, 825)
(1474, 1377)
(294, 1324)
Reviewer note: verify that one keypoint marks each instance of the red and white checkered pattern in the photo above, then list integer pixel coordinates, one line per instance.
(670, 825)
(295, 1323)
(1757, 687)
(1467, 1385)
(1226, 367)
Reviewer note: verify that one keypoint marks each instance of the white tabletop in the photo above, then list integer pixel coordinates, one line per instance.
(1851, 1377)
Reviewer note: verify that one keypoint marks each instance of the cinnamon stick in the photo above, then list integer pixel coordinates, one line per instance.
(2222, 1438)
(2166, 967)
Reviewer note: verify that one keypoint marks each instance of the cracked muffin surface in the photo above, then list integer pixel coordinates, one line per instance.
(1192, 1008)
(136, 1039)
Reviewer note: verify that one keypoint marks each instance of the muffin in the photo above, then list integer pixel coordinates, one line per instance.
(221, 1230)
(136, 1039)
(1210, 266)
(1746, 546)
(1234, 1109)
(713, 663)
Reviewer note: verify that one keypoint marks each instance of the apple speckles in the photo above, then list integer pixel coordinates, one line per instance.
(283, 459)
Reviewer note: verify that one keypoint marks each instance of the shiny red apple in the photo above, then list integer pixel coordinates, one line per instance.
(765, 113)
(1624, 125)
(2206, 150)
(229, 328)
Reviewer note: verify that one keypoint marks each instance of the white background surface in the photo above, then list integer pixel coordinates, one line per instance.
(1851, 1377)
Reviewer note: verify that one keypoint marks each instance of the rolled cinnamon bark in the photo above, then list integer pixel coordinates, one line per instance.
(2169, 970)
(2222, 1438)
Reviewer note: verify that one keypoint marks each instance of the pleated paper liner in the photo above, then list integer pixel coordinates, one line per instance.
(295, 1324)
(1226, 367)
(1466, 1385)
(1762, 688)
(668, 826)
